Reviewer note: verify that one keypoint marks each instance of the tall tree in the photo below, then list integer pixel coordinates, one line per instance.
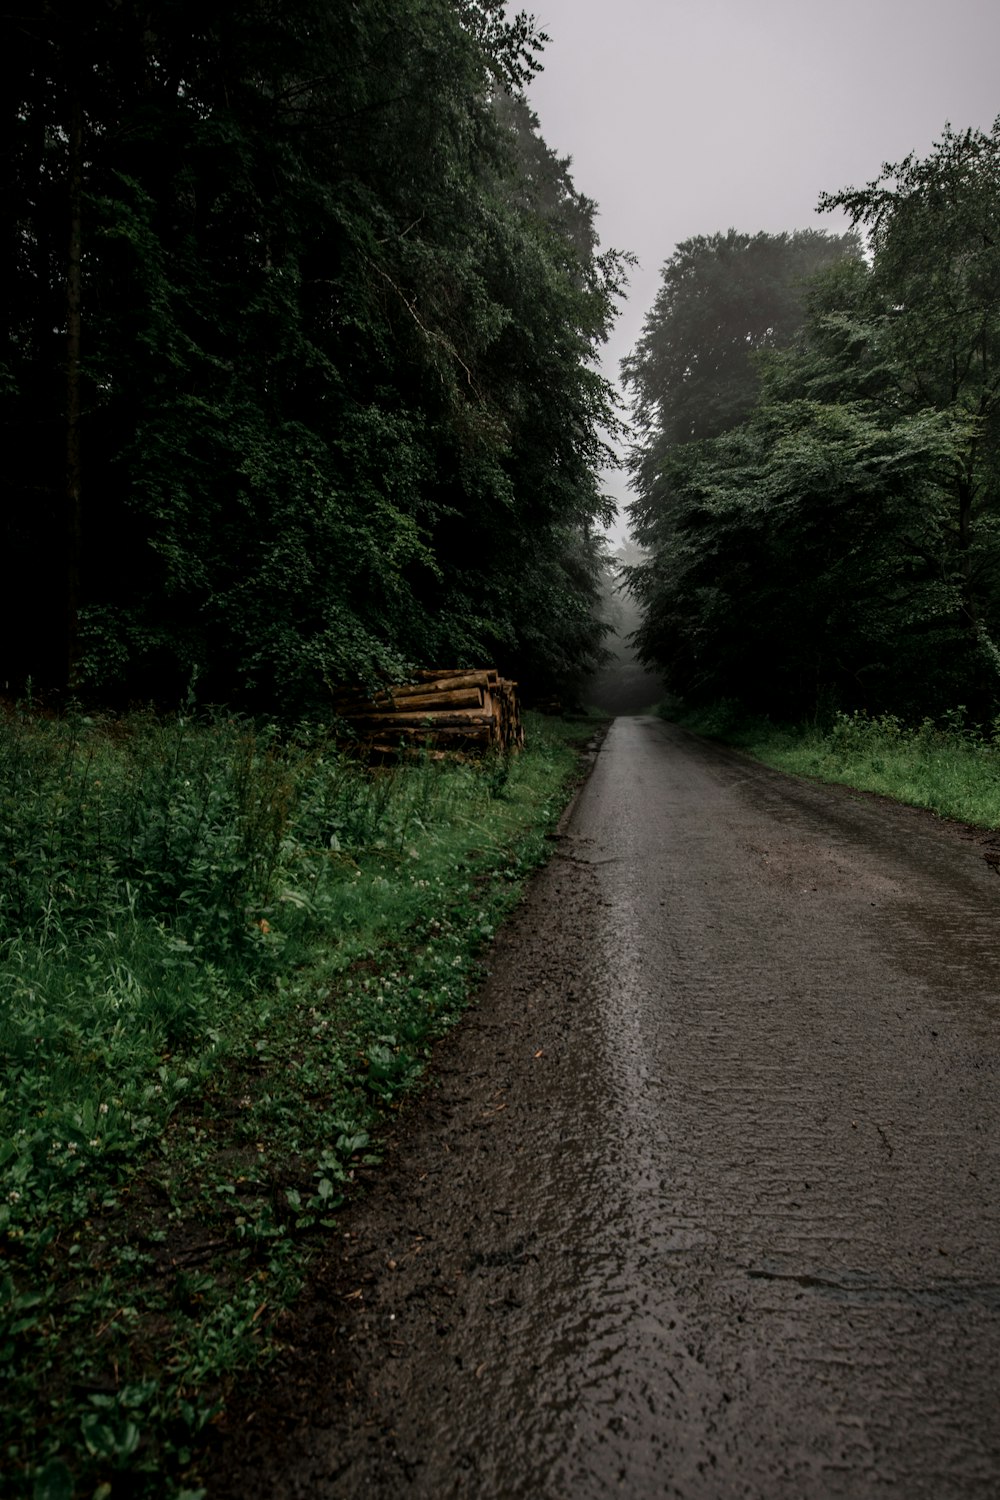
(724, 301)
(723, 298)
(336, 347)
(934, 234)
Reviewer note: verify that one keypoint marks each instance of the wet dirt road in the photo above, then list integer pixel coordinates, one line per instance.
(704, 1200)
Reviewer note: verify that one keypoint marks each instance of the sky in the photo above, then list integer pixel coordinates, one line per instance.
(684, 117)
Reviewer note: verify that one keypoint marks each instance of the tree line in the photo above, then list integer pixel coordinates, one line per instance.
(817, 463)
(299, 383)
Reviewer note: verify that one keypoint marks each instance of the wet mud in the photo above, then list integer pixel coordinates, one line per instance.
(702, 1200)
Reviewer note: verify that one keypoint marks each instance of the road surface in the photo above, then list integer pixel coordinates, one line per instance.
(703, 1201)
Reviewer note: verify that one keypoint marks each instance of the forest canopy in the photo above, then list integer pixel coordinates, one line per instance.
(816, 465)
(299, 382)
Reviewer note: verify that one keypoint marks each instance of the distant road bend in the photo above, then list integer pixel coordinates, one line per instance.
(704, 1203)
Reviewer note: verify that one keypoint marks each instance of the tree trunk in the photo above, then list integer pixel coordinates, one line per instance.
(74, 325)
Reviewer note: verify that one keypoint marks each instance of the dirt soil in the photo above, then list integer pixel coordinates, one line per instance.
(701, 1198)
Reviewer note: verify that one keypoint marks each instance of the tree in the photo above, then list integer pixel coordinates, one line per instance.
(934, 236)
(797, 565)
(339, 311)
(723, 299)
(45, 76)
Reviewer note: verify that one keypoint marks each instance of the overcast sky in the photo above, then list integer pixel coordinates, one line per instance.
(684, 117)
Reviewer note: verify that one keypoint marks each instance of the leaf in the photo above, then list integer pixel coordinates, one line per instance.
(53, 1482)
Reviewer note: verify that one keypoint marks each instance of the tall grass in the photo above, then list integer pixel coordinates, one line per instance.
(156, 877)
(950, 767)
(134, 860)
(224, 951)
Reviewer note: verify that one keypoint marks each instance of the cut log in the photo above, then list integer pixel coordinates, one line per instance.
(477, 678)
(453, 708)
(478, 734)
(452, 719)
(409, 701)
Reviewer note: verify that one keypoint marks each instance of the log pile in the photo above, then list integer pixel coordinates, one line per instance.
(444, 710)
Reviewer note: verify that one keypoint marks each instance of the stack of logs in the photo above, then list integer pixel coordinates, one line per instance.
(445, 710)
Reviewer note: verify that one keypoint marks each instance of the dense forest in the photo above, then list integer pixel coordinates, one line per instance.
(299, 383)
(817, 463)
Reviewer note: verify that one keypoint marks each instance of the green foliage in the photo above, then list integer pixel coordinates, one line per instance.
(837, 542)
(935, 294)
(724, 298)
(341, 312)
(195, 1060)
(793, 557)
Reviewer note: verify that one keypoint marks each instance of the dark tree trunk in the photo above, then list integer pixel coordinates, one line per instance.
(74, 324)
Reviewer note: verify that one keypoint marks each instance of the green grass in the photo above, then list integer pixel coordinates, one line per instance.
(949, 768)
(226, 954)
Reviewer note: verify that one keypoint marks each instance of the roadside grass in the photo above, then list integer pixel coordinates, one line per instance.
(226, 953)
(948, 767)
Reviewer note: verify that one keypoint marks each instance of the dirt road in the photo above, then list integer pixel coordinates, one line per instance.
(704, 1199)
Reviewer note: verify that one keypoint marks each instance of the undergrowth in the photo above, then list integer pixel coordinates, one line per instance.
(950, 766)
(226, 953)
